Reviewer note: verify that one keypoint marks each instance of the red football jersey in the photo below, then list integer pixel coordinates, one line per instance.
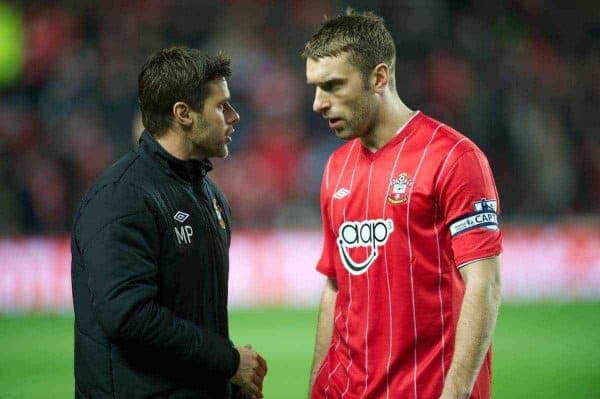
(398, 224)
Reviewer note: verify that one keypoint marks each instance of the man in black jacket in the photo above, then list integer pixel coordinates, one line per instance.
(150, 250)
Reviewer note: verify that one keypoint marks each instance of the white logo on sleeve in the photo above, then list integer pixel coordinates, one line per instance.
(484, 217)
(369, 234)
(341, 193)
(486, 205)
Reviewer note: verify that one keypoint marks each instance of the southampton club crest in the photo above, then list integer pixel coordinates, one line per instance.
(400, 185)
(219, 212)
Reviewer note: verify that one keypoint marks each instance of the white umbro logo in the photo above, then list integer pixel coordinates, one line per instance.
(341, 193)
(181, 216)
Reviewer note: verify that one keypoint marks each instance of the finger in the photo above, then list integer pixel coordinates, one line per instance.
(262, 362)
(258, 381)
(260, 370)
(253, 389)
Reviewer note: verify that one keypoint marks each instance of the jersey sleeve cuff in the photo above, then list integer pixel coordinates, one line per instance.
(327, 271)
(465, 260)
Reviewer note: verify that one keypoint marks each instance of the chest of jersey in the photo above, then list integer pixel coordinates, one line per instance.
(376, 201)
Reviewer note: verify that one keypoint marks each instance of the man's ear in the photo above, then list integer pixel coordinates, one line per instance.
(182, 115)
(380, 77)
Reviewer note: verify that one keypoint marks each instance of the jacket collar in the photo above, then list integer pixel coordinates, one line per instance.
(191, 171)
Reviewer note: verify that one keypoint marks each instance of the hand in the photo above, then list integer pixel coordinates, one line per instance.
(246, 395)
(261, 371)
(251, 372)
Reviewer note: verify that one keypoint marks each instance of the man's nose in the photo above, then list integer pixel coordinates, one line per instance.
(234, 117)
(321, 103)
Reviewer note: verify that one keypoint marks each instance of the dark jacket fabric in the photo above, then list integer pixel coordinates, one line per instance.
(149, 276)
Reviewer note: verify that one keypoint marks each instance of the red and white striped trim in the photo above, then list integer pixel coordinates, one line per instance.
(387, 277)
(337, 185)
(327, 173)
(407, 122)
(368, 292)
(446, 161)
(439, 268)
(412, 284)
(349, 292)
(331, 372)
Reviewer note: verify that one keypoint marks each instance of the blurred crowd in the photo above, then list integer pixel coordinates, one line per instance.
(521, 79)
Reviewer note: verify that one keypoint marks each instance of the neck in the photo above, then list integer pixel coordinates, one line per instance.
(392, 115)
(174, 143)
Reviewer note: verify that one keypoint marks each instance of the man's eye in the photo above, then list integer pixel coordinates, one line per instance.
(330, 86)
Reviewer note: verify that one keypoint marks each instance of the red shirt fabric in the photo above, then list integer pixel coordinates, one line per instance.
(398, 224)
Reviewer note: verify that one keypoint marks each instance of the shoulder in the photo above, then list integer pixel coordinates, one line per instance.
(448, 144)
(117, 193)
(121, 174)
(113, 202)
(132, 176)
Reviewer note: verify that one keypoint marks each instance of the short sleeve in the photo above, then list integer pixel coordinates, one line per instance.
(470, 205)
(326, 264)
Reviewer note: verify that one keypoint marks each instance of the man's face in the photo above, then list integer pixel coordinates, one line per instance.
(213, 126)
(341, 96)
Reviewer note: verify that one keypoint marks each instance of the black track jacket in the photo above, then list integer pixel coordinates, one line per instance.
(149, 275)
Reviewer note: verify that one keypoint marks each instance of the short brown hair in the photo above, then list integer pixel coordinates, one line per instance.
(176, 74)
(362, 34)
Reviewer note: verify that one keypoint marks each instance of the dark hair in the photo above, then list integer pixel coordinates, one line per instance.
(176, 74)
(361, 34)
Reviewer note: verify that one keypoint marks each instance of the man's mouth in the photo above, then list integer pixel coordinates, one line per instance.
(228, 138)
(335, 123)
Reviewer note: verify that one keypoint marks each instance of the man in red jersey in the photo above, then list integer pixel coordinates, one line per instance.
(411, 237)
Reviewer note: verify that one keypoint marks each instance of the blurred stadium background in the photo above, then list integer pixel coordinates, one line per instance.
(521, 78)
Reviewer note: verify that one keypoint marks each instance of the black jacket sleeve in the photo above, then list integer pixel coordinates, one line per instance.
(120, 245)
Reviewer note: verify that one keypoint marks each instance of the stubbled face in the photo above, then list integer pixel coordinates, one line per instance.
(212, 128)
(341, 96)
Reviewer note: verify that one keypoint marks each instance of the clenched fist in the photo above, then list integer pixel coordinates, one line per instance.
(251, 372)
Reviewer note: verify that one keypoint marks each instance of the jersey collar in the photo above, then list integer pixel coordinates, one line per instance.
(402, 133)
